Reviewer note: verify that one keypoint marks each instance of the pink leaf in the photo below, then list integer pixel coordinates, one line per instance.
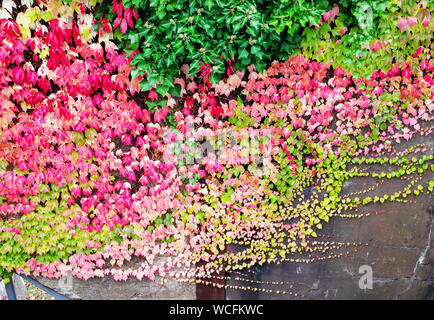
(401, 23)
(76, 191)
(22, 165)
(152, 95)
(117, 22)
(126, 140)
(426, 21)
(192, 86)
(411, 21)
(79, 127)
(124, 26)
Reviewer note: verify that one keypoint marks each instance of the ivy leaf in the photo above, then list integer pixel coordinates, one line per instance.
(257, 52)
(243, 53)
(194, 67)
(260, 65)
(239, 101)
(162, 89)
(175, 91)
(118, 34)
(161, 12)
(209, 4)
(214, 78)
(147, 84)
(226, 198)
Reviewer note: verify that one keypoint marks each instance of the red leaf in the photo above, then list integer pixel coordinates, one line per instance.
(126, 140)
(216, 111)
(18, 75)
(10, 27)
(44, 84)
(418, 52)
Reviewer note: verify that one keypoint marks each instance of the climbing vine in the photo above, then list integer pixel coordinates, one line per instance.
(101, 175)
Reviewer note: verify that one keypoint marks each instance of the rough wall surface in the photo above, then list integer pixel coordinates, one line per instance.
(108, 289)
(132, 289)
(401, 257)
(2, 291)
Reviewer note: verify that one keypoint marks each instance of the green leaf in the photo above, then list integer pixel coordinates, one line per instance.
(161, 12)
(168, 220)
(175, 91)
(260, 65)
(200, 216)
(239, 101)
(214, 78)
(117, 34)
(194, 67)
(209, 4)
(158, 221)
(146, 85)
(162, 89)
(257, 52)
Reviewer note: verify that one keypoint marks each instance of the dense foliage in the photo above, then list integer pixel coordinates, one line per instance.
(398, 30)
(221, 34)
(103, 172)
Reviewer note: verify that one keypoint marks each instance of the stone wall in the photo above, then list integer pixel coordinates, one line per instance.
(400, 251)
(19, 286)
